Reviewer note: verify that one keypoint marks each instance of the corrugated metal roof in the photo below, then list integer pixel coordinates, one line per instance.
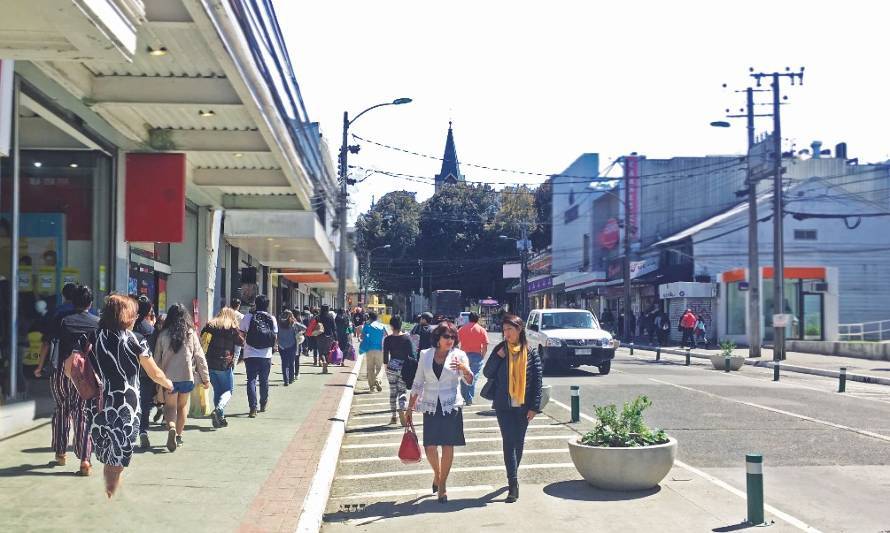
(250, 160)
(187, 55)
(182, 116)
(257, 191)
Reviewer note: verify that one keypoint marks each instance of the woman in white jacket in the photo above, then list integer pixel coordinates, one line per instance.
(436, 392)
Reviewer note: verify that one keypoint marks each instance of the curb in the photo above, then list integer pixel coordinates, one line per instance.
(862, 378)
(316, 500)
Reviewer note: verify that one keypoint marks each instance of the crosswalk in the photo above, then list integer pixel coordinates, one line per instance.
(369, 469)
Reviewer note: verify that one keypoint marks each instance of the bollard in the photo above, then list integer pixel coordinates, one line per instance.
(576, 403)
(726, 364)
(842, 382)
(754, 469)
(776, 371)
(688, 360)
(631, 348)
(658, 353)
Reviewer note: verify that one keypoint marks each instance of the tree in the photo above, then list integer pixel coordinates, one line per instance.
(541, 237)
(393, 220)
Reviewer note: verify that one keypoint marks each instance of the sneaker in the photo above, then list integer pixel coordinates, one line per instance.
(252, 414)
(179, 440)
(171, 440)
(263, 407)
(158, 414)
(469, 403)
(379, 388)
(224, 421)
(214, 418)
(143, 441)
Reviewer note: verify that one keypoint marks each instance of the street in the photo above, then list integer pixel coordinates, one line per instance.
(825, 455)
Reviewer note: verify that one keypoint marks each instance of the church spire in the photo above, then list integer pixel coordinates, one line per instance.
(450, 173)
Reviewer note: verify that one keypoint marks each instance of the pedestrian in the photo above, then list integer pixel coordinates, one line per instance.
(516, 369)
(687, 326)
(144, 329)
(328, 335)
(474, 341)
(397, 351)
(220, 340)
(609, 321)
(116, 357)
(306, 318)
(313, 331)
(358, 318)
(344, 333)
(71, 330)
(261, 334)
(373, 333)
(180, 356)
(288, 344)
(701, 332)
(436, 393)
(423, 329)
(235, 304)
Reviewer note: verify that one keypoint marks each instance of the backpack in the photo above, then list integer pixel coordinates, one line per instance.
(261, 334)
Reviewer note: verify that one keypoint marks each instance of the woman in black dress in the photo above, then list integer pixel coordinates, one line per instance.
(116, 357)
(436, 392)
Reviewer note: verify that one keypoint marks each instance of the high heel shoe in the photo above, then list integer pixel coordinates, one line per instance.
(443, 498)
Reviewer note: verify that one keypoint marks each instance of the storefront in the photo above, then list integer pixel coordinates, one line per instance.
(699, 297)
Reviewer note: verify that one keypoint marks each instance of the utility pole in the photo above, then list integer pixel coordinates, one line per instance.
(343, 210)
(754, 335)
(420, 262)
(778, 226)
(626, 262)
(523, 282)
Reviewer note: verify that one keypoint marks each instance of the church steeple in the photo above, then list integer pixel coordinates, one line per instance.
(450, 173)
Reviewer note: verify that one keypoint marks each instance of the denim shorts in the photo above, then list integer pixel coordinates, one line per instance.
(183, 387)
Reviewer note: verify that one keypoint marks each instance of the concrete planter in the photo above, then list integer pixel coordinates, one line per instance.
(623, 469)
(735, 362)
(545, 396)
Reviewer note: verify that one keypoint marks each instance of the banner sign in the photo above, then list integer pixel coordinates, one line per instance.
(6, 106)
(632, 182)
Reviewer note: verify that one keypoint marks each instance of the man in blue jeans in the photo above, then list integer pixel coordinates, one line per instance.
(261, 334)
(473, 341)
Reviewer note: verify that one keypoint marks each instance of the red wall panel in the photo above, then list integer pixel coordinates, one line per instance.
(155, 198)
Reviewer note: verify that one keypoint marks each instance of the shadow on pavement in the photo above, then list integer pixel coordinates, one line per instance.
(577, 489)
(735, 527)
(38, 450)
(375, 429)
(34, 470)
(420, 505)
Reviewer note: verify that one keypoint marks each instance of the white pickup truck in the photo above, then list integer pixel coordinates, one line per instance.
(570, 338)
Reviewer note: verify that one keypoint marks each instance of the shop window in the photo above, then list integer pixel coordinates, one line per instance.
(735, 310)
(805, 235)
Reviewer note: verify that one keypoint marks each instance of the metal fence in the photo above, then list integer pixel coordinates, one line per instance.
(865, 331)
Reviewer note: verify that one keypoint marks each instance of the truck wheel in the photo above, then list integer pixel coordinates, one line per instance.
(605, 367)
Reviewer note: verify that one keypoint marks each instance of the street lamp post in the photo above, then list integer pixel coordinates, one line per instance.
(344, 194)
(368, 263)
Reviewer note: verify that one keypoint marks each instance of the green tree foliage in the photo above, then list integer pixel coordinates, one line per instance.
(541, 237)
(393, 220)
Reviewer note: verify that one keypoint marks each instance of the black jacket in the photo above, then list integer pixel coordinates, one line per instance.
(496, 368)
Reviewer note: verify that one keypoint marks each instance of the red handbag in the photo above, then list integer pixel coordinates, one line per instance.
(409, 450)
(79, 370)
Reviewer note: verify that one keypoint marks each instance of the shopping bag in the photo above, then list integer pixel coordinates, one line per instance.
(335, 356)
(200, 402)
(409, 450)
(349, 353)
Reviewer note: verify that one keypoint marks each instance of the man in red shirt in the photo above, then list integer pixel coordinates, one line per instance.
(474, 341)
(687, 325)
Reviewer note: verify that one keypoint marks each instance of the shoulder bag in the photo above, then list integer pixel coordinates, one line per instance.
(490, 388)
(409, 450)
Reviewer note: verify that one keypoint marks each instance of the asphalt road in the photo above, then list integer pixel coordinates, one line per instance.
(826, 455)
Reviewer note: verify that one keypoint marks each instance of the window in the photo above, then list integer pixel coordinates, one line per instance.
(805, 235)
(569, 320)
(571, 213)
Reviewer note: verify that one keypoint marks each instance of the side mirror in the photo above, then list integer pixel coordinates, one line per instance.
(533, 327)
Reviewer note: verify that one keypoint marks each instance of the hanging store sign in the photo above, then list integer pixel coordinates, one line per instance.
(6, 106)
(540, 284)
(632, 182)
(610, 234)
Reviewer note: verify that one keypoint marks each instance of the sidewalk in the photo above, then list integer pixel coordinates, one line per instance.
(250, 476)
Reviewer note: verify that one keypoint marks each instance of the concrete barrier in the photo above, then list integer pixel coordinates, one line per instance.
(876, 351)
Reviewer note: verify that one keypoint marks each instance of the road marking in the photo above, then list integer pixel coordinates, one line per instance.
(795, 522)
(497, 453)
(494, 439)
(425, 471)
(420, 433)
(417, 424)
(388, 413)
(864, 432)
(411, 492)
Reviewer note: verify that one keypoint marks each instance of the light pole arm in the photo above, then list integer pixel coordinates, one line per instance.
(349, 123)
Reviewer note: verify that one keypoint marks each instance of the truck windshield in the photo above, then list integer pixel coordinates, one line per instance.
(576, 320)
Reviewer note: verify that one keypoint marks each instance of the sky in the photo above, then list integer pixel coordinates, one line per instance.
(530, 86)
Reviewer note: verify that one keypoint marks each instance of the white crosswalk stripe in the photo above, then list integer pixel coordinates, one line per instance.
(359, 434)
(495, 439)
(426, 471)
(494, 453)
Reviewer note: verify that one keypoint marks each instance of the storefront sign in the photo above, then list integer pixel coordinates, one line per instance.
(540, 284)
(632, 181)
(637, 268)
(783, 320)
(609, 235)
(6, 104)
(743, 285)
(512, 270)
(155, 199)
(687, 289)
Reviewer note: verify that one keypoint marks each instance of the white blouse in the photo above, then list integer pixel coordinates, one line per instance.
(445, 389)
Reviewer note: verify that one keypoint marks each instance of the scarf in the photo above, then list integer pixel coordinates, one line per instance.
(518, 361)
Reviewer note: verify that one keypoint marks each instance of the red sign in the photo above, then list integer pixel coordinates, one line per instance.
(155, 202)
(610, 234)
(632, 182)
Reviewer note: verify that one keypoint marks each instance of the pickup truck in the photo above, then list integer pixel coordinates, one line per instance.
(570, 338)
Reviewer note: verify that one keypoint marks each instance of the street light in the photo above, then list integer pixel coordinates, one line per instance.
(522, 244)
(344, 151)
(368, 262)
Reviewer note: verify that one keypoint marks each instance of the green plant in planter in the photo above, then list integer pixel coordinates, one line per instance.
(624, 430)
(726, 348)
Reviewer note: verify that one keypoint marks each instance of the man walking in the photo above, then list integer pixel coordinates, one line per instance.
(474, 341)
(423, 329)
(372, 345)
(687, 326)
(261, 331)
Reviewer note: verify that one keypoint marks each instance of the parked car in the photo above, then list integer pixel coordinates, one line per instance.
(570, 338)
(463, 318)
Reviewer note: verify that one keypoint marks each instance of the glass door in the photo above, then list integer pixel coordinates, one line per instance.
(812, 316)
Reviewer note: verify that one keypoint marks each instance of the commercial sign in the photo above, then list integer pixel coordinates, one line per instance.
(512, 270)
(637, 268)
(687, 289)
(632, 182)
(540, 284)
(6, 106)
(609, 235)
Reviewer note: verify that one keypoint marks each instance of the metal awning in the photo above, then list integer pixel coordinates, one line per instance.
(281, 239)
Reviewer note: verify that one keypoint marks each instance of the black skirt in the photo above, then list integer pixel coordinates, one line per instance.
(443, 429)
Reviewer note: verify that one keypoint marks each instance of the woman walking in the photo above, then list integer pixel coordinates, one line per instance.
(288, 345)
(221, 339)
(327, 337)
(117, 357)
(344, 332)
(436, 392)
(397, 350)
(515, 368)
(180, 356)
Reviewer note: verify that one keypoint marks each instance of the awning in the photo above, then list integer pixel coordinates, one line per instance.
(281, 239)
(587, 281)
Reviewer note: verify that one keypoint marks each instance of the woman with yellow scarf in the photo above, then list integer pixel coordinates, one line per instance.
(518, 378)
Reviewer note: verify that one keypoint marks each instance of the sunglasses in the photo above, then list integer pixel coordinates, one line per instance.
(451, 337)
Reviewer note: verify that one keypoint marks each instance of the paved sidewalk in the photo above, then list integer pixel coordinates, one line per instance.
(250, 476)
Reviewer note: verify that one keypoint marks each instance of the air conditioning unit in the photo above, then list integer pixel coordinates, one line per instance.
(820, 286)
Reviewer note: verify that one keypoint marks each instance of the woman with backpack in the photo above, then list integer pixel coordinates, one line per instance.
(290, 336)
(180, 356)
(220, 339)
(261, 335)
